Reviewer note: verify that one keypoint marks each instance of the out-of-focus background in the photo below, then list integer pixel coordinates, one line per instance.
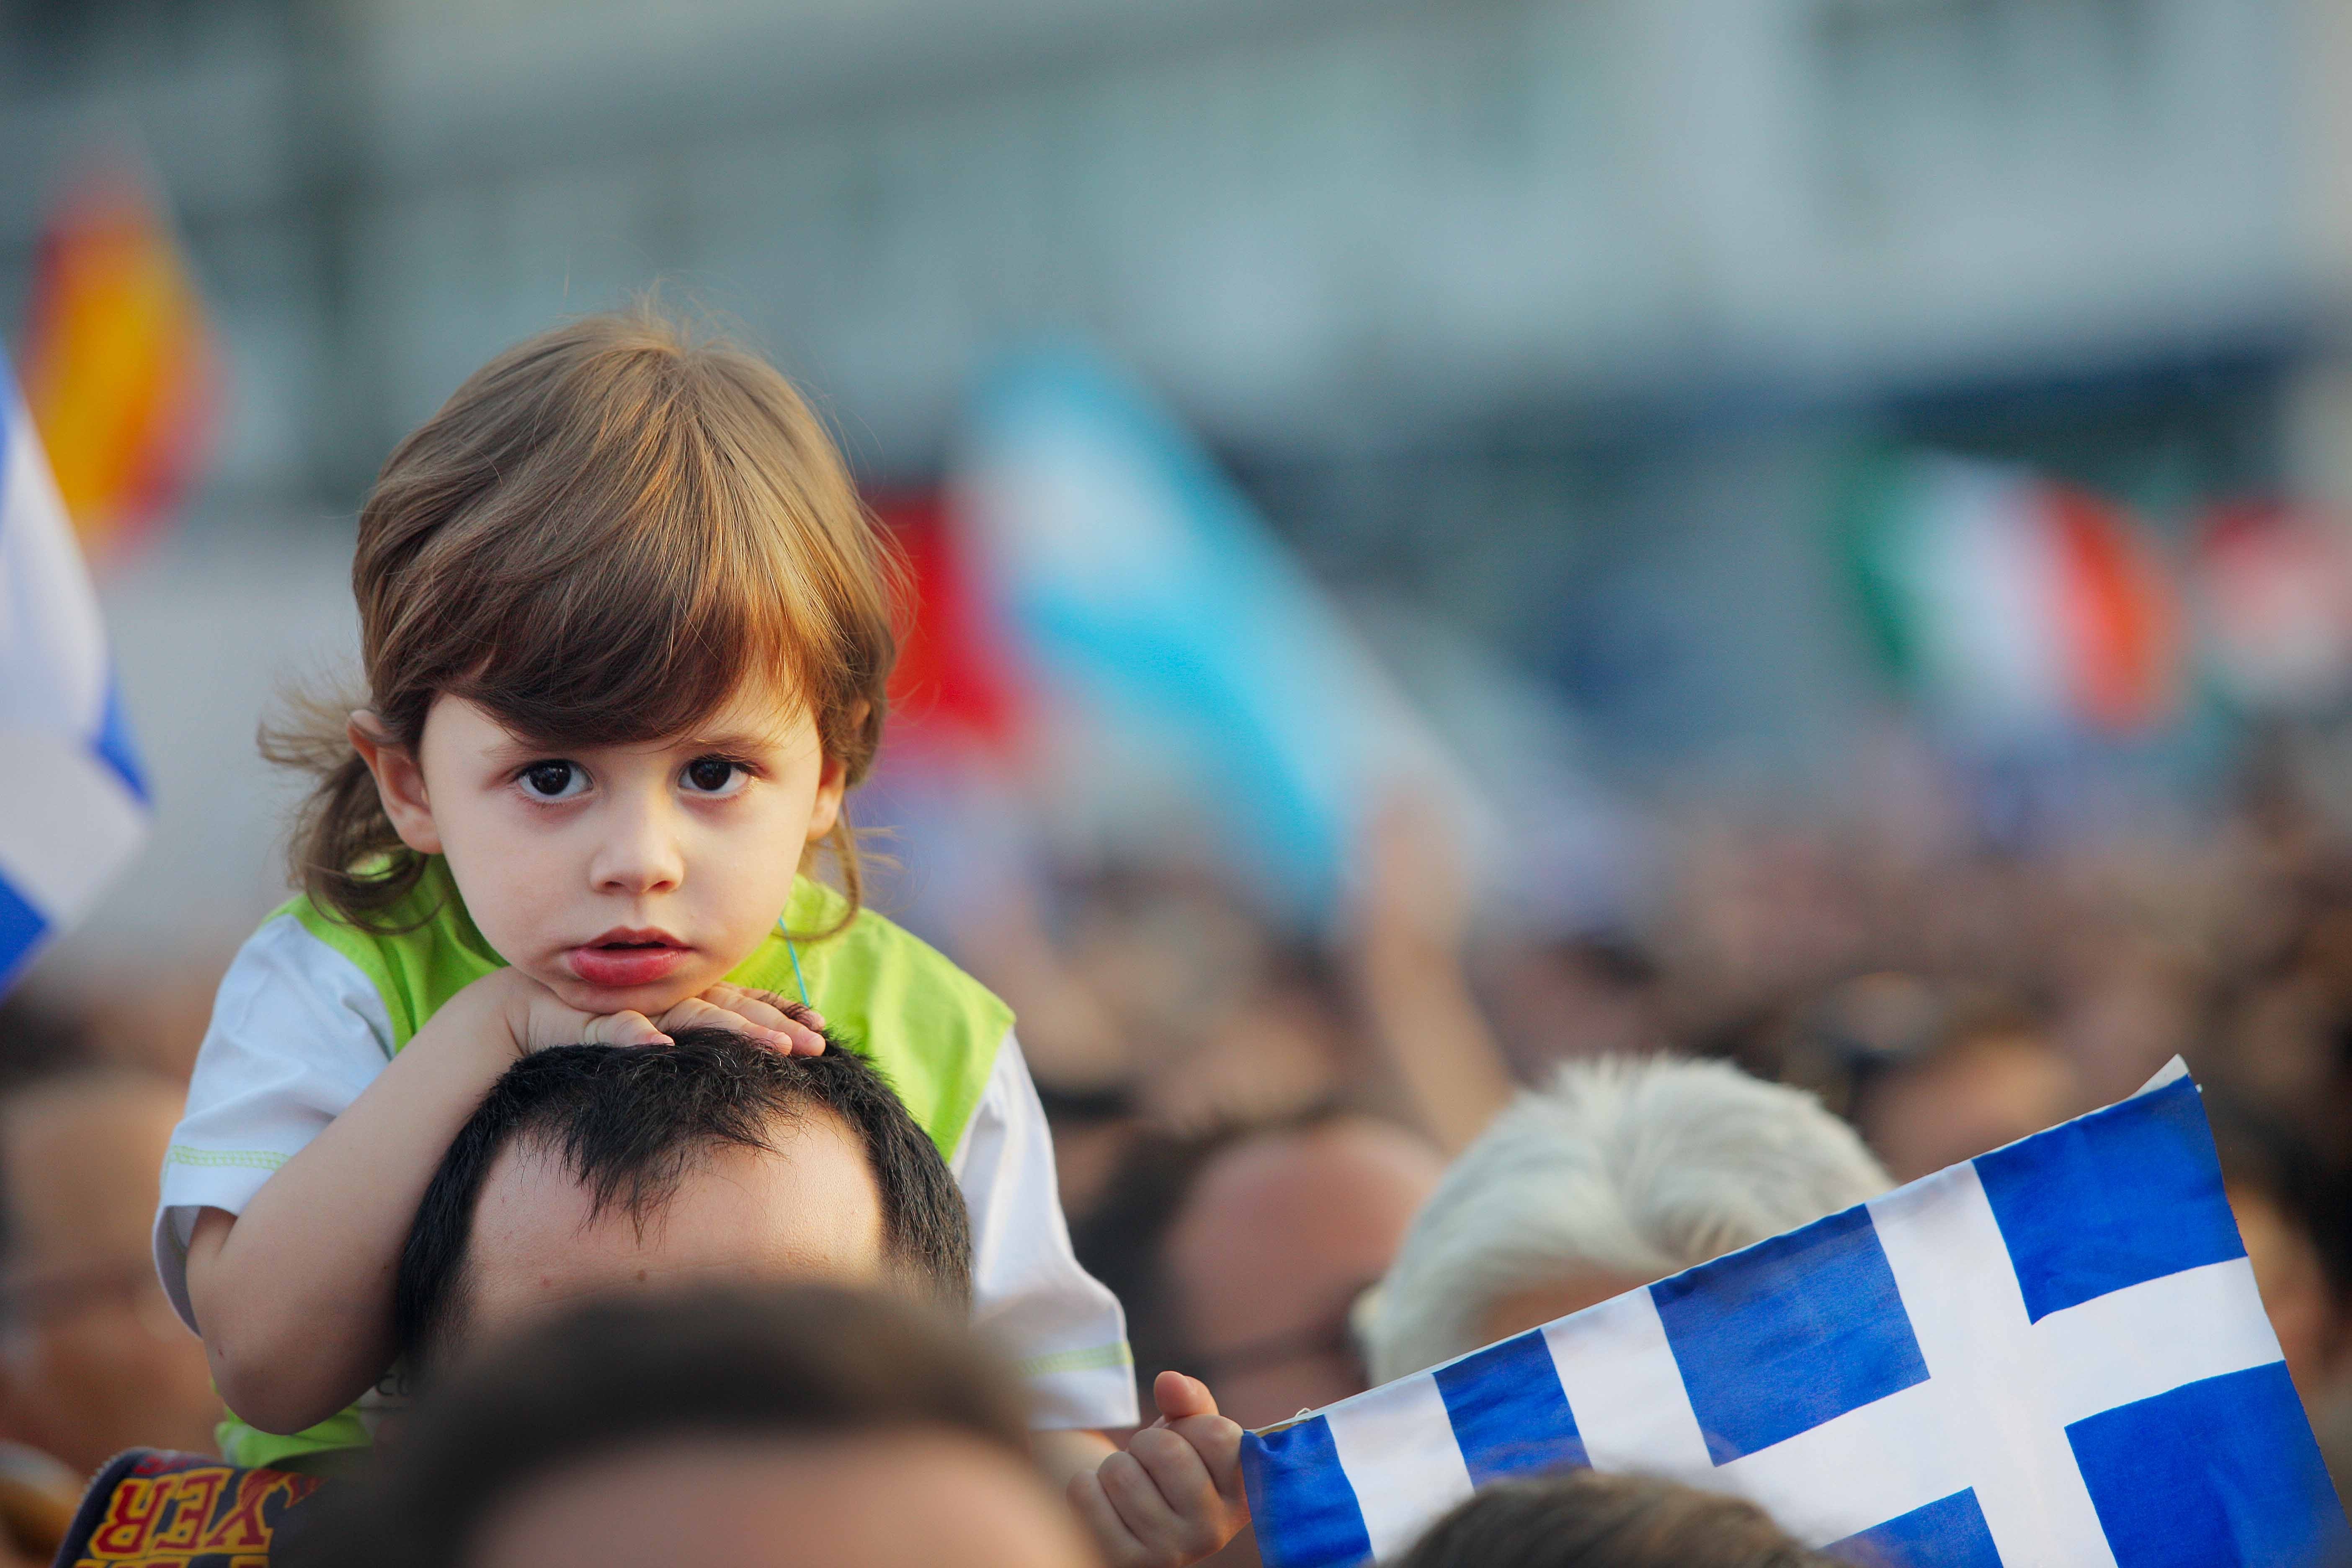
(1816, 532)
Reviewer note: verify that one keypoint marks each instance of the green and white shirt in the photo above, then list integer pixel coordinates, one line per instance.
(314, 1008)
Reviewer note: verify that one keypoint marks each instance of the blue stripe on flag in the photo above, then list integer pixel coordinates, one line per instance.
(114, 746)
(21, 931)
(1306, 1510)
(1510, 1415)
(2077, 1205)
(2221, 1470)
(1949, 1532)
(1789, 1333)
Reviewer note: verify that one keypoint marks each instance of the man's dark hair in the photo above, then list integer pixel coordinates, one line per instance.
(623, 1372)
(1586, 1520)
(629, 1121)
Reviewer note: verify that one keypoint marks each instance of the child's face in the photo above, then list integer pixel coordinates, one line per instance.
(624, 879)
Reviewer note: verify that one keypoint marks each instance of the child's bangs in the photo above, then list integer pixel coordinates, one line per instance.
(662, 615)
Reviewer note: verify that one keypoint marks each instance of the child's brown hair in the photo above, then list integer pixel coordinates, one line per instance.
(599, 537)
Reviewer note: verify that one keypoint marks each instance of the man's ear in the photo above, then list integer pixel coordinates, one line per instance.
(399, 782)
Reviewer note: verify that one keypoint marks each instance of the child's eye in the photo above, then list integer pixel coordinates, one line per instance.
(715, 775)
(554, 781)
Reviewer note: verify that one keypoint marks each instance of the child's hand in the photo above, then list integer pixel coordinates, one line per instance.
(789, 1027)
(1175, 1494)
(536, 1017)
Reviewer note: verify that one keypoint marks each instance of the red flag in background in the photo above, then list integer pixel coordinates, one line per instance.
(2274, 589)
(119, 366)
(955, 692)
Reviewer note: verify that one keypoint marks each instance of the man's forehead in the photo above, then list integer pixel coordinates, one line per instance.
(810, 1198)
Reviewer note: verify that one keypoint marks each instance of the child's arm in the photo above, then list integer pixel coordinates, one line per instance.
(294, 1296)
(1174, 1494)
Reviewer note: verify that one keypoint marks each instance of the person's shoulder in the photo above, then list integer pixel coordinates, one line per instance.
(289, 991)
(935, 1032)
(417, 952)
(887, 965)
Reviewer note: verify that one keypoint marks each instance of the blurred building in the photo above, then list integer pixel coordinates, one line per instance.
(1554, 316)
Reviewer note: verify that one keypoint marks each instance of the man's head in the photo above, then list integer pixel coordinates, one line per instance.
(589, 1169)
(1240, 1255)
(1587, 1520)
(801, 1424)
(1623, 1172)
(92, 1360)
(1990, 1081)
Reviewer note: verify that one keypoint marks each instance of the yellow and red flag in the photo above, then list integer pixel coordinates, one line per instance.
(118, 365)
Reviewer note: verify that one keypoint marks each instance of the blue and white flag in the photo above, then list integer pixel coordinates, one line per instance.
(2051, 1354)
(1141, 583)
(73, 801)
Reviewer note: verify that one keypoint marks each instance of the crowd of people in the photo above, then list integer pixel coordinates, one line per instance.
(502, 1222)
(1244, 1161)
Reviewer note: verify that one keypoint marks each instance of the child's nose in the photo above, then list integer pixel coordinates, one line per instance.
(638, 855)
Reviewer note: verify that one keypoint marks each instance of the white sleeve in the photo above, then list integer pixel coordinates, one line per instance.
(1063, 1327)
(296, 1033)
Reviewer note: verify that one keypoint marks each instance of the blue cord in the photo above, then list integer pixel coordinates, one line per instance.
(798, 978)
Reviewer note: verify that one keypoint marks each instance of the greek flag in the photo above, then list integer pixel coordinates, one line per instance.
(73, 801)
(2052, 1354)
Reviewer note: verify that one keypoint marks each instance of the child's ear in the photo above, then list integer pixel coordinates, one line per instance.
(826, 811)
(833, 783)
(399, 782)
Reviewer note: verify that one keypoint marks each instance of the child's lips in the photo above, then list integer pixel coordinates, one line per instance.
(622, 968)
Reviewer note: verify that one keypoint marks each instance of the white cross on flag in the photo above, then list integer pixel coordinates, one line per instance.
(2051, 1354)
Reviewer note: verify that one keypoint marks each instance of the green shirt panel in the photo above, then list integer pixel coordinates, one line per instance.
(932, 1029)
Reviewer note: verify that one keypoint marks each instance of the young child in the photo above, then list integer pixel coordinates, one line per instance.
(625, 630)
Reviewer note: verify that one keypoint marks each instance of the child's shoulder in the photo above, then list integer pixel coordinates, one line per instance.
(932, 1028)
(417, 953)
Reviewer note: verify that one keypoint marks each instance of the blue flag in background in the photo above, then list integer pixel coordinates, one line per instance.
(73, 798)
(2053, 1353)
(1137, 578)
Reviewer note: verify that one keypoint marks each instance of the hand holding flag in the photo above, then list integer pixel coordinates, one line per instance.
(1174, 1494)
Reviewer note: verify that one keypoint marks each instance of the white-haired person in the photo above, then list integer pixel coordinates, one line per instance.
(1625, 1169)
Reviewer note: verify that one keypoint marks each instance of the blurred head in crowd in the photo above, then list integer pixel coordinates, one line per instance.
(803, 1425)
(1990, 1077)
(1622, 1172)
(591, 1169)
(2291, 1215)
(1569, 999)
(1240, 1255)
(1586, 1520)
(92, 1359)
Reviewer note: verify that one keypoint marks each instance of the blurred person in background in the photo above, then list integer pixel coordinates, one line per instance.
(803, 1425)
(1595, 994)
(1159, 993)
(1166, 1002)
(1619, 1174)
(2291, 1217)
(1241, 1256)
(1990, 1077)
(1587, 1520)
(92, 1360)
